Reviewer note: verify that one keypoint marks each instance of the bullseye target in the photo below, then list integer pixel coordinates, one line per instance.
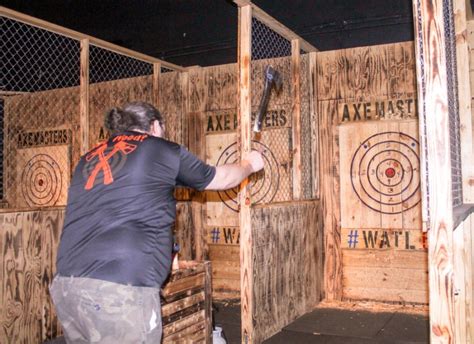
(385, 172)
(42, 181)
(263, 185)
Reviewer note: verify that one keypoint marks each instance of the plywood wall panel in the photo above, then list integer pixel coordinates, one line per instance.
(285, 268)
(29, 244)
(173, 105)
(331, 75)
(106, 95)
(373, 124)
(401, 67)
(388, 275)
(213, 88)
(366, 73)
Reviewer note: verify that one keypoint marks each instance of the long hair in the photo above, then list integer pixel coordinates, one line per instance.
(133, 116)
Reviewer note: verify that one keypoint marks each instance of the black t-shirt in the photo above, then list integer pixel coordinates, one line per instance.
(121, 209)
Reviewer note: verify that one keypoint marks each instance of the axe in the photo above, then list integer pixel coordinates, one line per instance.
(272, 79)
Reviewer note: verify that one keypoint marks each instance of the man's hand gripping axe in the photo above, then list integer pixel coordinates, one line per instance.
(272, 80)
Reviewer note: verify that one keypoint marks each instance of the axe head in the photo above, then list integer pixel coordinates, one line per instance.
(274, 78)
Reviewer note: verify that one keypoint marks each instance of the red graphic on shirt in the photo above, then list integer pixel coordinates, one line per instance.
(103, 164)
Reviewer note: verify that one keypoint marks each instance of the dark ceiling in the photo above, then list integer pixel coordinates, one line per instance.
(204, 32)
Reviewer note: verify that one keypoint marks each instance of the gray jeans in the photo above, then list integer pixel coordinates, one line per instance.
(95, 311)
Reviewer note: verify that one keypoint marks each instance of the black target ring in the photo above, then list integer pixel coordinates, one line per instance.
(380, 180)
(41, 181)
(371, 184)
(383, 172)
(263, 184)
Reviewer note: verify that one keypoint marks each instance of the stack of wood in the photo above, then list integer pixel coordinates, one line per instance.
(186, 304)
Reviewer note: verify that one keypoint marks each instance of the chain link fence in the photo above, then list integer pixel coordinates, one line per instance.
(453, 104)
(269, 48)
(40, 87)
(40, 99)
(115, 79)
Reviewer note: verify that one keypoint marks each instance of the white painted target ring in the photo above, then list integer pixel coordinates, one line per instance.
(263, 185)
(41, 181)
(385, 172)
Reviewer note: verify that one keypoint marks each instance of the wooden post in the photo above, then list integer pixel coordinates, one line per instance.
(156, 84)
(84, 96)
(184, 84)
(208, 301)
(244, 116)
(435, 164)
(296, 115)
(462, 236)
(313, 99)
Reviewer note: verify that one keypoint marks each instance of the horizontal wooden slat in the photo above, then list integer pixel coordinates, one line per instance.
(226, 270)
(184, 323)
(186, 268)
(222, 294)
(184, 284)
(417, 260)
(187, 335)
(173, 307)
(224, 252)
(384, 294)
(393, 278)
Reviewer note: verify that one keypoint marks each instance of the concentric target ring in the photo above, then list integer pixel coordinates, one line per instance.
(390, 172)
(377, 190)
(41, 181)
(263, 184)
(385, 172)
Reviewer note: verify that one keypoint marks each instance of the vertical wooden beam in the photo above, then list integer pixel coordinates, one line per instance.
(184, 81)
(431, 71)
(463, 236)
(84, 96)
(208, 301)
(244, 116)
(197, 145)
(296, 116)
(156, 84)
(313, 101)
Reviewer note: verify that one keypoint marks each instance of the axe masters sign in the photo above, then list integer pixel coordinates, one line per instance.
(389, 109)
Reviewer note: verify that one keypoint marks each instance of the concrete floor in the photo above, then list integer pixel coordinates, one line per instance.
(330, 326)
(335, 326)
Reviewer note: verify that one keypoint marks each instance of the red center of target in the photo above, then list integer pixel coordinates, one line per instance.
(40, 182)
(390, 172)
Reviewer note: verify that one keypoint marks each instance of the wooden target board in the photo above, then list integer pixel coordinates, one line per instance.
(380, 175)
(271, 184)
(43, 175)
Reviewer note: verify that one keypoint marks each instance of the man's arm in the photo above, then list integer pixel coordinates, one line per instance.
(231, 175)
